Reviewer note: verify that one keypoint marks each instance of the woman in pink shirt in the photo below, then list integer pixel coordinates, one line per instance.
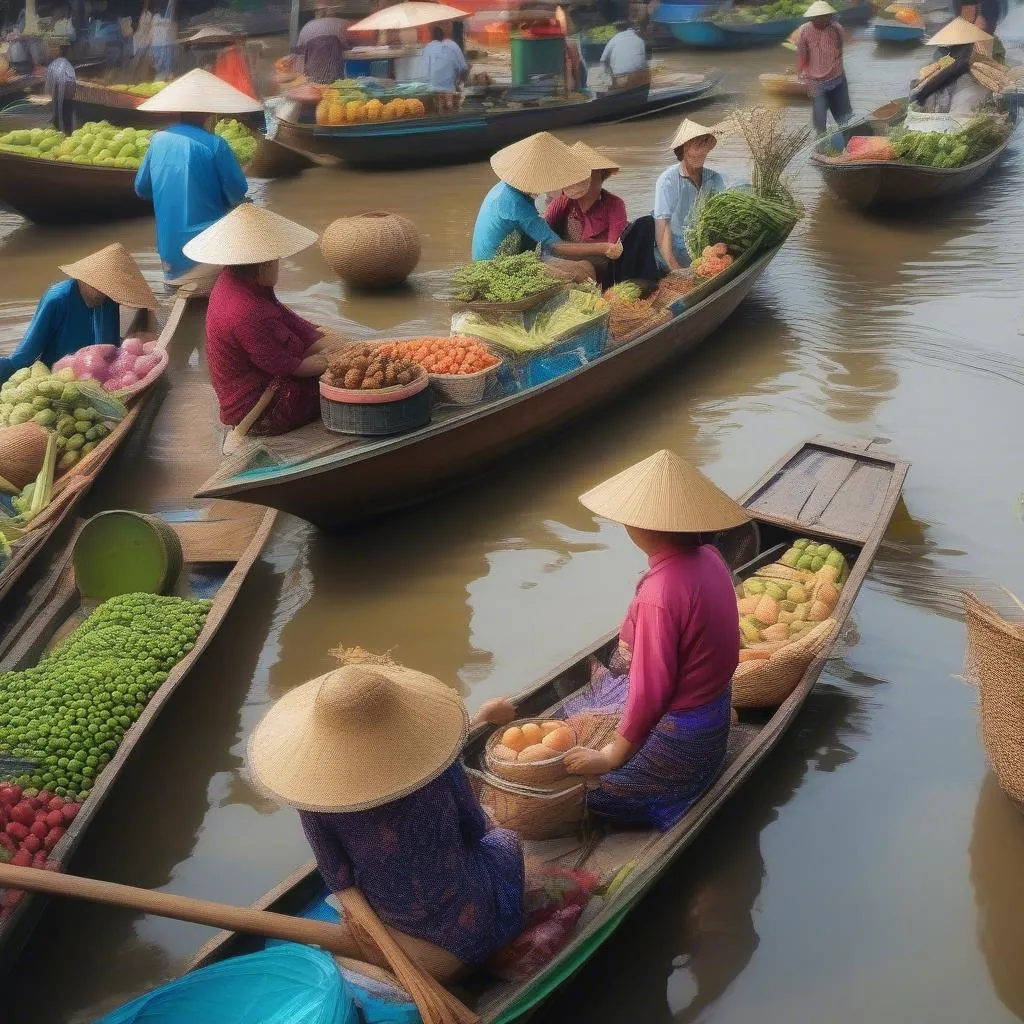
(678, 648)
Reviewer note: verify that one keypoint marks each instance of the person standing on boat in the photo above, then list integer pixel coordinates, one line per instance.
(369, 755)
(190, 174)
(60, 87)
(625, 53)
(819, 63)
(679, 188)
(508, 222)
(264, 360)
(83, 310)
(678, 648)
(321, 47)
(444, 67)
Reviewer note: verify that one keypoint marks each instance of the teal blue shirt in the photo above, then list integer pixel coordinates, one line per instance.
(63, 324)
(504, 210)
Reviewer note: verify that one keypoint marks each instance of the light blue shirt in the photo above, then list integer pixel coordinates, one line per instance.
(674, 199)
(624, 53)
(193, 179)
(443, 62)
(504, 210)
(62, 325)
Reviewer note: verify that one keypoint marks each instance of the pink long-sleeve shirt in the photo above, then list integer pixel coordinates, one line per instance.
(683, 629)
(603, 222)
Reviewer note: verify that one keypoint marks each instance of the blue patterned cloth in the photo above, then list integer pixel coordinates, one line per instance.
(429, 865)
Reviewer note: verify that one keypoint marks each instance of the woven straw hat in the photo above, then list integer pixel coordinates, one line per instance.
(539, 164)
(410, 14)
(113, 272)
(595, 159)
(819, 9)
(248, 234)
(958, 33)
(664, 492)
(356, 738)
(690, 130)
(199, 92)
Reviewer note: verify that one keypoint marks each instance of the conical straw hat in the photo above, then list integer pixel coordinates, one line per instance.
(958, 33)
(199, 92)
(356, 738)
(690, 130)
(113, 272)
(664, 492)
(595, 159)
(819, 9)
(248, 234)
(539, 164)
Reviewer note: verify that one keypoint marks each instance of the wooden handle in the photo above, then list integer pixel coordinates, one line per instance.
(173, 319)
(238, 434)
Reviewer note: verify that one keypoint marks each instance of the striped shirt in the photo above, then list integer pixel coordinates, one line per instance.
(820, 52)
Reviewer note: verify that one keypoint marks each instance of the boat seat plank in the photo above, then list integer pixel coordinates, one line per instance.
(854, 509)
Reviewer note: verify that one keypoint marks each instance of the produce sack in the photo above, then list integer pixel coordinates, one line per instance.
(869, 147)
(288, 984)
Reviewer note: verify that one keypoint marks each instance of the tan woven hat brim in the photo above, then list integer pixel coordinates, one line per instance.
(356, 738)
(958, 33)
(595, 159)
(113, 272)
(664, 492)
(690, 130)
(411, 14)
(539, 164)
(199, 92)
(248, 234)
(819, 9)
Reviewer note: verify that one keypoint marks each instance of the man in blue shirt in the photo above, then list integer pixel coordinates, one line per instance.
(83, 310)
(444, 66)
(190, 174)
(508, 222)
(679, 188)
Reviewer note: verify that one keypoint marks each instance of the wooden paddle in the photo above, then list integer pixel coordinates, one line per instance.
(435, 1003)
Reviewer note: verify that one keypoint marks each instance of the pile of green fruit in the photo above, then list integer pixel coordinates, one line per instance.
(79, 411)
(239, 138)
(98, 143)
(778, 10)
(951, 149)
(805, 554)
(145, 89)
(69, 713)
(502, 279)
(601, 34)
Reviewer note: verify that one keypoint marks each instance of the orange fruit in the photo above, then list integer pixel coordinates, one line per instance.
(560, 740)
(514, 739)
(532, 732)
(551, 726)
(535, 752)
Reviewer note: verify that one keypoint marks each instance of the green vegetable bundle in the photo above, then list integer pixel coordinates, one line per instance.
(580, 306)
(741, 220)
(979, 137)
(502, 279)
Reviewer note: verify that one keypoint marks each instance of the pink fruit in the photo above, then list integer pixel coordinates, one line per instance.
(69, 810)
(52, 837)
(39, 828)
(12, 795)
(55, 803)
(22, 859)
(16, 830)
(145, 365)
(54, 818)
(134, 345)
(8, 843)
(23, 813)
(32, 843)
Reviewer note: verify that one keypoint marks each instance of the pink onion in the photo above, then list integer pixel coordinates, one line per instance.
(95, 364)
(133, 345)
(145, 365)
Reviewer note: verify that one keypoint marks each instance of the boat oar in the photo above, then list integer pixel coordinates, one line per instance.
(435, 1003)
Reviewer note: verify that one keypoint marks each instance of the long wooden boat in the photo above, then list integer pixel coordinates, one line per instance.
(665, 99)
(452, 138)
(219, 548)
(329, 479)
(889, 184)
(723, 33)
(887, 30)
(841, 494)
(72, 487)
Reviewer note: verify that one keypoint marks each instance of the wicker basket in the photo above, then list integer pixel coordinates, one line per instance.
(378, 412)
(372, 250)
(463, 388)
(532, 773)
(995, 662)
(534, 813)
(767, 683)
(22, 451)
(493, 308)
(94, 92)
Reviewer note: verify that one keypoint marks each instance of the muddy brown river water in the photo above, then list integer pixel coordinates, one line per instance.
(871, 870)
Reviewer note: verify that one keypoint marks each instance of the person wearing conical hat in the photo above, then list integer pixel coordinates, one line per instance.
(83, 310)
(191, 175)
(678, 190)
(369, 756)
(953, 89)
(819, 63)
(508, 222)
(678, 647)
(256, 345)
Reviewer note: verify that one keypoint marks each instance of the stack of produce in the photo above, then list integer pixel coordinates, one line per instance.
(740, 220)
(712, 261)
(144, 90)
(951, 149)
(334, 110)
(367, 368)
(30, 827)
(777, 10)
(533, 741)
(601, 34)
(502, 279)
(442, 356)
(238, 137)
(905, 14)
(933, 69)
(632, 315)
(580, 307)
(115, 367)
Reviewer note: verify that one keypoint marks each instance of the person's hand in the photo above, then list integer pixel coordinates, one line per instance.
(584, 761)
(319, 362)
(497, 711)
(614, 251)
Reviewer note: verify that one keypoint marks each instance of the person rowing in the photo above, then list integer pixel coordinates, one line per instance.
(83, 310)
(953, 89)
(669, 683)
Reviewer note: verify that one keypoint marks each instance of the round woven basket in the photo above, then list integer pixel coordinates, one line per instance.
(531, 773)
(767, 683)
(463, 388)
(371, 250)
(22, 450)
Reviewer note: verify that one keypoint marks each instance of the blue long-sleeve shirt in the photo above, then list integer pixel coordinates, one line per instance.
(193, 179)
(63, 324)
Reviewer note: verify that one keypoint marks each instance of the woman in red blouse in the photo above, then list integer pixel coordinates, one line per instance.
(255, 345)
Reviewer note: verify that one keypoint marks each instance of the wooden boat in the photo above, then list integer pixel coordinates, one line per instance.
(452, 138)
(889, 184)
(842, 494)
(735, 34)
(329, 479)
(783, 85)
(72, 487)
(219, 551)
(670, 97)
(887, 30)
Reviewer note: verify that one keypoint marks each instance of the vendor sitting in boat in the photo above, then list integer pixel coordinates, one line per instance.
(953, 89)
(369, 755)
(678, 190)
(83, 310)
(190, 174)
(678, 648)
(508, 222)
(264, 360)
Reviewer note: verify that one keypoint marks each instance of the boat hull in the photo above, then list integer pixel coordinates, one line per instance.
(894, 32)
(663, 99)
(707, 35)
(406, 470)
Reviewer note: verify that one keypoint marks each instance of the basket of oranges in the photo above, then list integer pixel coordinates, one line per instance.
(530, 752)
(459, 367)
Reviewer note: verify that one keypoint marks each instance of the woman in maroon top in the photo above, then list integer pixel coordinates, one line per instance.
(264, 360)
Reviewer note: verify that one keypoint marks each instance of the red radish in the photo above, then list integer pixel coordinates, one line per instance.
(56, 803)
(54, 818)
(52, 837)
(22, 859)
(23, 813)
(39, 828)
(16, 830)
(32, 843)
(69, 810)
